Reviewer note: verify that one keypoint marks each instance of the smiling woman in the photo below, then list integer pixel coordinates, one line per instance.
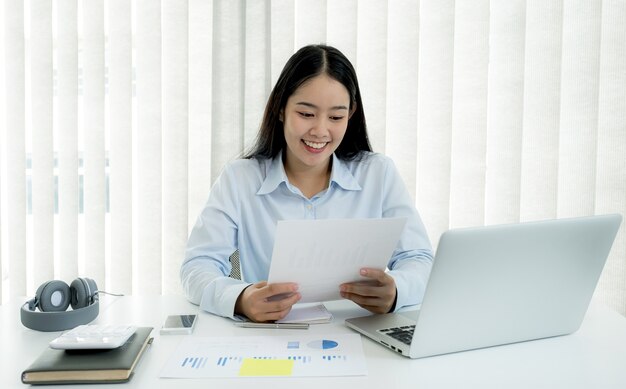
(312, 160)
(315, 121)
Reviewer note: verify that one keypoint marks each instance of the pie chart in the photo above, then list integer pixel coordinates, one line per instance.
(323, 344)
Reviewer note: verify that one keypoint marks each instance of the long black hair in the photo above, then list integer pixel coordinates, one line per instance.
(308, 62)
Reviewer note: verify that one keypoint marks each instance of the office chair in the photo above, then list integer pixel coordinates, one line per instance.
(234, 261)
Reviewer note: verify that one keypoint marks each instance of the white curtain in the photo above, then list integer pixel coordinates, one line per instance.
(116, 117)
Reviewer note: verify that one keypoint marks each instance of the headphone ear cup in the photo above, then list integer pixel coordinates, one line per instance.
(93, 290)
(79, 293)
(53, 296)
(83, 291)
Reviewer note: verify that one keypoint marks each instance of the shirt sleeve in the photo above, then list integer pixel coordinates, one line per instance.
(412, 259)
(205, 269)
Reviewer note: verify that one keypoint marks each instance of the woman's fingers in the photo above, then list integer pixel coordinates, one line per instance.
(376, 294)
(267, 302)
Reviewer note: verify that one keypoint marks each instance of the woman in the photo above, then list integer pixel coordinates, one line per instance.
(311, 160)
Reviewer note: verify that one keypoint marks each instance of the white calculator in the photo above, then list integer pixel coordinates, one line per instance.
(94, 336)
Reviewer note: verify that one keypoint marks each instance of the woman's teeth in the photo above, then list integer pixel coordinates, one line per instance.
(314, 145)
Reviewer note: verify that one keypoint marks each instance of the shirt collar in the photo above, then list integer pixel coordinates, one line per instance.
(276, 175)
(342, 176)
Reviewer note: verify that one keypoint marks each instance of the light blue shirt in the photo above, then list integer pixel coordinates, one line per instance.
(251, 195)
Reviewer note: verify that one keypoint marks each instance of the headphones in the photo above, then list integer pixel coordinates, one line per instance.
(54, 297)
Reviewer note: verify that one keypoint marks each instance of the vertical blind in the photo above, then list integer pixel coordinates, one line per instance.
(117, 116)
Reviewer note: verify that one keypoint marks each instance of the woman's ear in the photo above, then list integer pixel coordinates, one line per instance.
(352, 110)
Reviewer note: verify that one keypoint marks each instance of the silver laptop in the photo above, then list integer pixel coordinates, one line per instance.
(501, 284)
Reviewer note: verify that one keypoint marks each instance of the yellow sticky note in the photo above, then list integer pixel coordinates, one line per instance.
(252, 367)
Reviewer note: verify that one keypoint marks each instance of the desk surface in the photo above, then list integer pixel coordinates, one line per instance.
(593, 357)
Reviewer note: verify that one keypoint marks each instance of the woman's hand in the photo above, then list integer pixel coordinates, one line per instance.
(263, 302)
(377, 294)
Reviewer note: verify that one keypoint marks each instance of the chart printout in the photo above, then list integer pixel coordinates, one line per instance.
(269, 356)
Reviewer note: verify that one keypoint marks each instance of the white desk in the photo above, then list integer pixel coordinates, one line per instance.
(593, 357)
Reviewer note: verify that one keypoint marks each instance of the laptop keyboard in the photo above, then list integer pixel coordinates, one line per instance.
(403, 334)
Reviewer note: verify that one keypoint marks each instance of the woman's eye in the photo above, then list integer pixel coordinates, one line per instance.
(336, 118)
(305, 114)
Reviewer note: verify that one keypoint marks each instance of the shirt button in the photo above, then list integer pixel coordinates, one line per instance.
(309, 207)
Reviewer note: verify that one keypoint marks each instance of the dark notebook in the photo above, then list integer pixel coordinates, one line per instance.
(89, 366)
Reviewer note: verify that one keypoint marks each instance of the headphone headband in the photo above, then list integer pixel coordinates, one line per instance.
(58, 321)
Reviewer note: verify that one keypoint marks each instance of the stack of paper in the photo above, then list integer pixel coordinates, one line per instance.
(319, 269)
(312, 313)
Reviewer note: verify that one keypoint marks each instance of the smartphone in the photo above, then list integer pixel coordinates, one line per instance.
(179, 324)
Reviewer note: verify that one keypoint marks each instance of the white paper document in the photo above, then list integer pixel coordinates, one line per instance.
(319, 255)
(269, 356)
(312, 313)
